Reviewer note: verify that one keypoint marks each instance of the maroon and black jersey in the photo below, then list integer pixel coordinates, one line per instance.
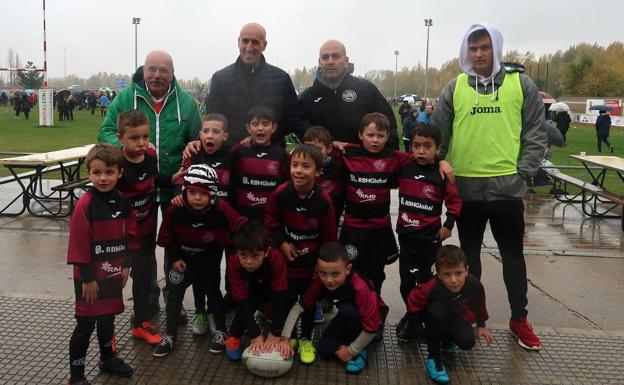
(421, 194)
(267, 283)
(333, 182)
(271, 275)
(369, 180)
(355, 290)
(102, 233)
(138, 184)
(307, 223)
(469, 301)
(221, 161)
(189, 233)
(258, 170)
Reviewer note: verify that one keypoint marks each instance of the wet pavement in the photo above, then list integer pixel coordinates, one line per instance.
(574, 268)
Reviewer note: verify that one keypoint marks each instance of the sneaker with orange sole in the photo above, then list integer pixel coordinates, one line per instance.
(523, 330)
(146, 332)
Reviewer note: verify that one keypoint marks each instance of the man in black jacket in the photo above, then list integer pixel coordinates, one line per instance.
(251, 81)
(338, 101)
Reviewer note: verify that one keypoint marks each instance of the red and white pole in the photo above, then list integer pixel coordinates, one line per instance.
(45, 51)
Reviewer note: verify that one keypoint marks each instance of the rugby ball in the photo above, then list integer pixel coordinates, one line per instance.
(267, 365)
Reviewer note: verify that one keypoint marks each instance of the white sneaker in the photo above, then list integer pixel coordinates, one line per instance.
(199, 324)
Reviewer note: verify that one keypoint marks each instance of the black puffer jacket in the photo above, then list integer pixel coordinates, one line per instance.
(235, 89)
(341, 110)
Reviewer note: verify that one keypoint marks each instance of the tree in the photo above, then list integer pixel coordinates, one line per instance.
(301, 78)
(30, 79)
(13, 61)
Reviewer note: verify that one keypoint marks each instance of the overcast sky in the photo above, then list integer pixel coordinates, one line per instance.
(201, 35)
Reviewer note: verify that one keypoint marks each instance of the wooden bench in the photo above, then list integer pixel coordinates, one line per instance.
(72, 185)
(590, 195)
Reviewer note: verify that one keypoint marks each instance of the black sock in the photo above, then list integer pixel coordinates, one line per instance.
(78, 346)
(105, 332)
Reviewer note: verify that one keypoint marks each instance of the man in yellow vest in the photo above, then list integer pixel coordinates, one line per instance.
(492, 123)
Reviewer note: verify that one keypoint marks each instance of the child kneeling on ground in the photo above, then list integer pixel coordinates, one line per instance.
(450, 303)
(358, 320)
(258, 280)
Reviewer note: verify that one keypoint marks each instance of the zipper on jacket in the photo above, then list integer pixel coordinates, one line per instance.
(158, 195)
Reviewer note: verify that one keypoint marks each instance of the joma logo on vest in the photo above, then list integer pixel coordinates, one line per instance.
(485, 110)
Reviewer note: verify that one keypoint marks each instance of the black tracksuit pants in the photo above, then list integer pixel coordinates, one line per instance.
(445, 326)
(142, 264)
(507, 224)
(343, 329)
(416, 259)
(296, 288)
(203, 271)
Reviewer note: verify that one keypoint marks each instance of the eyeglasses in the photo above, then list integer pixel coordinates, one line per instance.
(154, 69)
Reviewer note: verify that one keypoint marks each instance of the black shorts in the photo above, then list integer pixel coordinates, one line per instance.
(370, 250)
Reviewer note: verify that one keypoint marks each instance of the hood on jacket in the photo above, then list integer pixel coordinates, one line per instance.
(497, 51)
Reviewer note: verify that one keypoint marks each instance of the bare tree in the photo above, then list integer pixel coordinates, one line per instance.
(13, 61)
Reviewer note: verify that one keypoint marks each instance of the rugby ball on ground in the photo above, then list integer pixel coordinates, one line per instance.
(267, 365)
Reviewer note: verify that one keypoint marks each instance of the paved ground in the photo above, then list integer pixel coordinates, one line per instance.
(574, 266)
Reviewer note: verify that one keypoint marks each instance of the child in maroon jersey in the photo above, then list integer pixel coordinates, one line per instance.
(372, 170)
(421, 194)
(450, 303)
(194, 237)
(258, 280)
(138, 183)
(260, 167)
(332, 179)
(358, 320)
(102, 233)
(301, 218)
(212, 136)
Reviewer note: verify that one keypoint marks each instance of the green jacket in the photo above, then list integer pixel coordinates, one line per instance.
(178, 123)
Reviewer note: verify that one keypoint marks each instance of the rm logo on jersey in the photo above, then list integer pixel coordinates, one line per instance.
(349, 96)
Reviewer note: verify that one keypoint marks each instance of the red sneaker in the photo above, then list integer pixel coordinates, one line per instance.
(146, 332)
(523, 330)
(233, 348)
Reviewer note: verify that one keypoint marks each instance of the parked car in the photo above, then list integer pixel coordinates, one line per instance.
(411, 98)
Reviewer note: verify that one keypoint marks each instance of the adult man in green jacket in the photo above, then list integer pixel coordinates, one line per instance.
(174, 121)
(492, 123)
(173, 113)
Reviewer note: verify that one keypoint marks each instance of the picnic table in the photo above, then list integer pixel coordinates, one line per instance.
(604, 163)
(27, 172)
(596, 199)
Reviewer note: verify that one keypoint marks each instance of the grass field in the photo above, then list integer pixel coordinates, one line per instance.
(581, 137)
(26, 136)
